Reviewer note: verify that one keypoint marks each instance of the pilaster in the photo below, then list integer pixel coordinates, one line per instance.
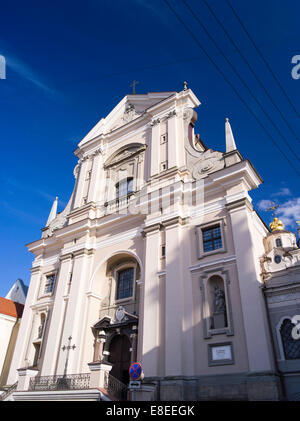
(155, 148)
(151, 345)
(174, 299)
(52, 347)
(255, 324)
(96, 179)
(173, 145)
(74, 320)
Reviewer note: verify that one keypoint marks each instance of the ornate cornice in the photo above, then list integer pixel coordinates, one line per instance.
(83, 251)
(174, 221)
(151, 228)
(239, 203)
(155, 122)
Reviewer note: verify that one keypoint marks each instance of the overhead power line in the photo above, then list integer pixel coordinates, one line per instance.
(263, 58)
(241, 79)
(251, 69)
(230, 84)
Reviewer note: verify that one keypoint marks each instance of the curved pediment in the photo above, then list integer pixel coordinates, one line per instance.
(124, 153)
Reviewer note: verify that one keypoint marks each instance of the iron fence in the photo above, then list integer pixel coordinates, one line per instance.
(114, 387)
(62, 382)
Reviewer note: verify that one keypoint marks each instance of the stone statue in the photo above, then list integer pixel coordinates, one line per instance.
(219, 300)
(41, 329)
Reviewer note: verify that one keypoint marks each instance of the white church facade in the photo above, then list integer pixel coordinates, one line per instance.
(155, 259)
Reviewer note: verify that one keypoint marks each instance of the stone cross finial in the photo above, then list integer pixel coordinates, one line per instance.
(132, 85)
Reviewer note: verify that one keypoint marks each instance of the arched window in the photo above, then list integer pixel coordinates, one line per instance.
(124, 187)
(125, 278)
(291, 346)
(278, 242)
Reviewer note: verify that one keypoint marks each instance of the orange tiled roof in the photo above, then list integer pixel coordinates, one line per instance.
(11, 308)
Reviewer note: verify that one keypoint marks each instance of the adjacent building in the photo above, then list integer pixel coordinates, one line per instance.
(11, 309)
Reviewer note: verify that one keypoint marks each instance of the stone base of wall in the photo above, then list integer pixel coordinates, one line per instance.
(237, 387)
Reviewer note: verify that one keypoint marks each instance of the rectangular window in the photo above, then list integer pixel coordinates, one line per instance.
(125, 283)
(50, 279)
(212, 238)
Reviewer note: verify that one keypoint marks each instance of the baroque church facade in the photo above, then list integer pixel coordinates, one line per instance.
(157, 258)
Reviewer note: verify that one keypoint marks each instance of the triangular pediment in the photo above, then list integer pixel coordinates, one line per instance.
(130, 108)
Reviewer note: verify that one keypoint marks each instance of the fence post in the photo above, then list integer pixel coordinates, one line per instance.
(98, 372)
(25, 375)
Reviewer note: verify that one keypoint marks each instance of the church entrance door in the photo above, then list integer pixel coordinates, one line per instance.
(119, 357)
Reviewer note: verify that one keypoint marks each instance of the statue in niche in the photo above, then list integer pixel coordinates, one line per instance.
(219, 300)
(219, 318)
(41, 328)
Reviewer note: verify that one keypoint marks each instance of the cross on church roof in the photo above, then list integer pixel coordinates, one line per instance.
(272, 208)
(132, 85)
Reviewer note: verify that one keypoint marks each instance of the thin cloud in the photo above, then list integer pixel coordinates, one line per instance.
(284, 191)
(27, 73)
(289, 211)
(21, 214)
(25, 187)
(24, 70)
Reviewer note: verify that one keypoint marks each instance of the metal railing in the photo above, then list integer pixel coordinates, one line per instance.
(114, 387)
(119, 203)
(9, 391)
(63, 382)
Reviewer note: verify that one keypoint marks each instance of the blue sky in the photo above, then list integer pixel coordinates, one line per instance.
(69, 63)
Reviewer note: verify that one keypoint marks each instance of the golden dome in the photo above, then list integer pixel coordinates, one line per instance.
(277, 225)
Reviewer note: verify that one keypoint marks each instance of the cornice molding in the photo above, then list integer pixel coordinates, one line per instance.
(238, 204)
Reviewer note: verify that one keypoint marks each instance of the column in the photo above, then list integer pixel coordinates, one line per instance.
(75, 313)
(53, 338)
(174, 299)
(255, 324)
(155, 146)
(172, 141)
(151, 345)
(96, 180)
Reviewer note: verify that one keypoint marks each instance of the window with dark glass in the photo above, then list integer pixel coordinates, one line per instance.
(212, 238)
(278, 242)
(291, 346)
(124, 187)
(50, 279)
(125, 283)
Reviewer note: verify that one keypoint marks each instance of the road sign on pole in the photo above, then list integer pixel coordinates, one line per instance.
(135, 371)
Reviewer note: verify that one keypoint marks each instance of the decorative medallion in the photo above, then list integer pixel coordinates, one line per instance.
(120, 314)
(129, 113)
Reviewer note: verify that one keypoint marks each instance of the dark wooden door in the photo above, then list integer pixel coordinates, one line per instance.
(119, 357)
